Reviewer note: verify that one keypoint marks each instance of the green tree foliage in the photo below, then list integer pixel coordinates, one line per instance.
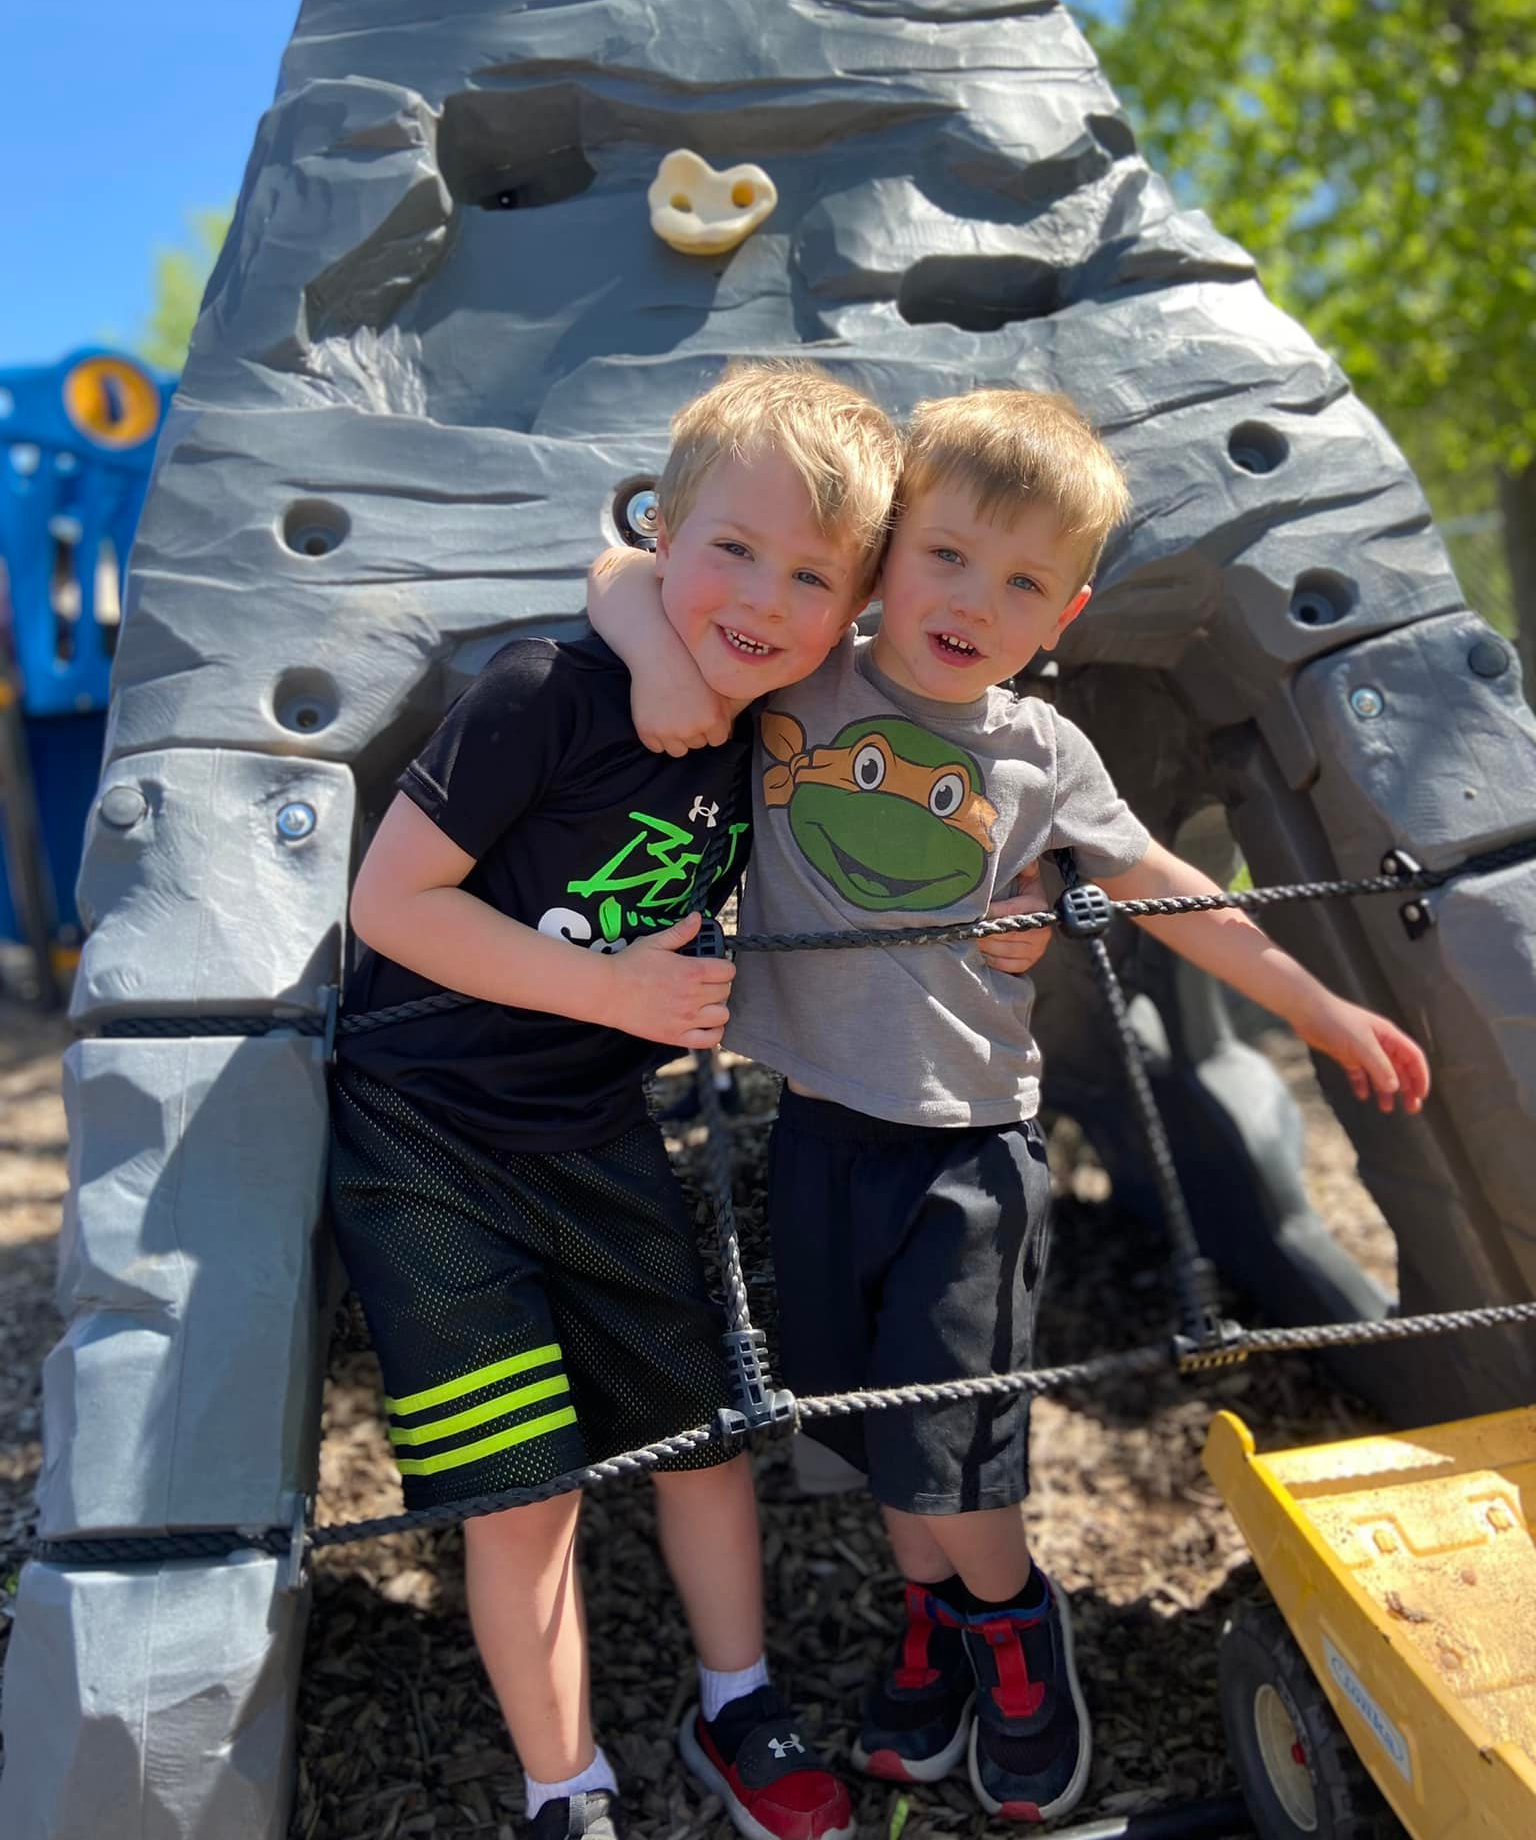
(180, 276)
(1376, 157)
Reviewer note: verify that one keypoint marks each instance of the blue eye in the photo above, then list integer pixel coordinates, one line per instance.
(947, 555)
(1024, 581)
(810, 578)
(731, 547)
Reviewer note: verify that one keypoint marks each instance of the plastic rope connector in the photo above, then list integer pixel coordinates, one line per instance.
(1085, 911)
(709, 942)
(1220, 1344)
(756, 1404)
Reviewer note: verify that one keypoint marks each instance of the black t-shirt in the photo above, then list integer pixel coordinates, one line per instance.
(578, 830)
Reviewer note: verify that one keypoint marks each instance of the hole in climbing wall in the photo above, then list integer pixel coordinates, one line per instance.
(305, 700)
(1321, 598)
(314, 527)
(1256, 447)
(513, 152)
(977, 293)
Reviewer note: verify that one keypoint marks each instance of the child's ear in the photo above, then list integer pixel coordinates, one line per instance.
(663, 545)
(1067, 615)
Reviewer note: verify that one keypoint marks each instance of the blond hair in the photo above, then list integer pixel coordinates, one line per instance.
(844, 448)
(1012, 448)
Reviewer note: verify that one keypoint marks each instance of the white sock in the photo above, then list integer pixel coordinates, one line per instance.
(597, 1775)
(717, 1689)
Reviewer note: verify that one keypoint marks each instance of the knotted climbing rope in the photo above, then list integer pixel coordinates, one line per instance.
(1204, 1340)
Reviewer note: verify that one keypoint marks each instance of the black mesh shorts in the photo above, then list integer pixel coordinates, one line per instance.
(905, 1253)
(532, 1312)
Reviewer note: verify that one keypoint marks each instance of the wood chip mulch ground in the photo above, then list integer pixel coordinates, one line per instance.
(398, 1733)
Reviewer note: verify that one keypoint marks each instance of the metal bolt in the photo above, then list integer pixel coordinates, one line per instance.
(295, 821)
(122, 807)
(641, 515)
(1488, 658)
(1412, 911)
(1366, 702)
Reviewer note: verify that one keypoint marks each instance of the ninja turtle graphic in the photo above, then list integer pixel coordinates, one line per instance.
(890, 814)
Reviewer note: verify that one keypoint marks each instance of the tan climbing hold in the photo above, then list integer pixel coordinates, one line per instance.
(703, 212)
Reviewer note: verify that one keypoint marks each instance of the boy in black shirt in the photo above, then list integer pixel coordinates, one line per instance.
(504, 1208)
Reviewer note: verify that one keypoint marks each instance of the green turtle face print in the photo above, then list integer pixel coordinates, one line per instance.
(891, 815)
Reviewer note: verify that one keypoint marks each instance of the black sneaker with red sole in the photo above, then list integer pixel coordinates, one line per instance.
(772, 1782)
(1031, 1744)
(917, 1716)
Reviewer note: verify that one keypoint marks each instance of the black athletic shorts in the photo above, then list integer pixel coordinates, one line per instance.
(907, 1253)
(532, 1312)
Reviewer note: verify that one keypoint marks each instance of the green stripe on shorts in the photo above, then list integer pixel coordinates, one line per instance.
(485, 1447)
(498, 1407)
(472, 1382)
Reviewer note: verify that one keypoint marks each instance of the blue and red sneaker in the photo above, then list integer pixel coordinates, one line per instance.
(1031, 1743)
(917, 1715)
(772, 1782)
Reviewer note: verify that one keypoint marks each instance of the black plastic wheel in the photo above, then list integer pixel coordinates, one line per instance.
(1299, 1774)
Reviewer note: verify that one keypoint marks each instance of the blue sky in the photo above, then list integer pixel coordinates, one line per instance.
(118, 120)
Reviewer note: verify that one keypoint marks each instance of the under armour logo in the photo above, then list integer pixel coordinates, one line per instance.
(781, 1747)
(708, 813)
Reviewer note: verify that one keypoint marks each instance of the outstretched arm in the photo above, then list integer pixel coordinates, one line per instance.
(674, 709)
(1375, 1054)
(408, 904)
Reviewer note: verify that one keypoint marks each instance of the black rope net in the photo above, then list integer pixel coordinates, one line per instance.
(1204, 1341)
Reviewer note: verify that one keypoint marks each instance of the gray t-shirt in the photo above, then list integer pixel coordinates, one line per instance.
(874, 808)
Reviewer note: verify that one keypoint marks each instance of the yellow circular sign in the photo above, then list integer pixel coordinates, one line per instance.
(112, 401)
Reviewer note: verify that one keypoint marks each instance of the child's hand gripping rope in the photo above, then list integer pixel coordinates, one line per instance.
(660, 995)
(1018, 953)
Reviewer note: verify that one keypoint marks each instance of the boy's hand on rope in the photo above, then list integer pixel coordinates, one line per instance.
(1018, 952)
(1377, 1057)
(661, 996)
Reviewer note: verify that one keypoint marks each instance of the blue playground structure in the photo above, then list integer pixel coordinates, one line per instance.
(76, 441)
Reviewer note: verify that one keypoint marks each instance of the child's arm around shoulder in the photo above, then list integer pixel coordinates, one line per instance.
(674, 710)
(1375, 1054)
(408, 905)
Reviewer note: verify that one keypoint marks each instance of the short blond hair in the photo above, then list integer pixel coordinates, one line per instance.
(1012, 448)
(843, 447)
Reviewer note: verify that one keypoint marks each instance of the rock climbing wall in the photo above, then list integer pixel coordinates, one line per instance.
(438, 354)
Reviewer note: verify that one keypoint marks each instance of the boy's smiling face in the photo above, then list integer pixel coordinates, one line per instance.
(751, 584)
(968, 600)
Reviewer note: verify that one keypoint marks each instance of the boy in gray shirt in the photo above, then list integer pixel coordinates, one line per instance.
(908, 1191)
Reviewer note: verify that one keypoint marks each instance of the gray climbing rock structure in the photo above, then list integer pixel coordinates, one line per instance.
(439, 349)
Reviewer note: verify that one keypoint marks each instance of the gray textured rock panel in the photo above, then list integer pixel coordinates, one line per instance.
(184, 1391)
(158, 1703)
(1417, 748)
(214, 882)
